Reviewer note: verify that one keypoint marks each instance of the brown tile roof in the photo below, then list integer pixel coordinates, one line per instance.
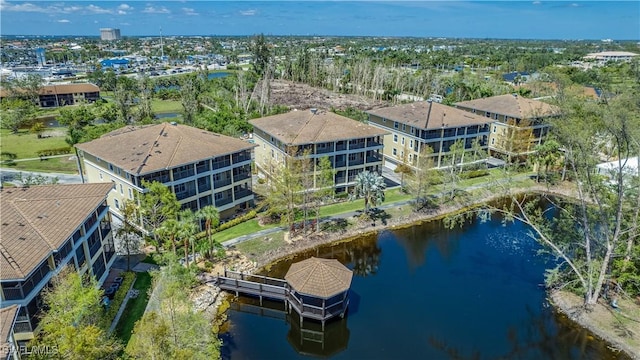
(419, 115)
(38, 219)
(305, 127)
(61, 89)
(319, 277)
(144, 149)
(514, 106)
(7, 318)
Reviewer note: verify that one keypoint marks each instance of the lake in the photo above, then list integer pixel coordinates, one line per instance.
(424, 292)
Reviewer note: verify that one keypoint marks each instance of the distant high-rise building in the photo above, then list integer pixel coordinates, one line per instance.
(109, 34)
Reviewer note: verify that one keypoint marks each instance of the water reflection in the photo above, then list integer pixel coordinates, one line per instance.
(305, 337)
(472, 293)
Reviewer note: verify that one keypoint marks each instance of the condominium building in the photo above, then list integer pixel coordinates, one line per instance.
(44, 229)
(518, 123)
(413, 126)
(351, 146)
(202, 168)
(109, 34)
(50, 96)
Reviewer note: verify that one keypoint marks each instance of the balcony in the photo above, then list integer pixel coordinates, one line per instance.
(375, 158)
(341, 146)
(22, 327)
(223, 201)
(339, 164)
(242, 193)
(356, 162)
(341, 180)
(221, 183)
(12, 293)
(241, 176)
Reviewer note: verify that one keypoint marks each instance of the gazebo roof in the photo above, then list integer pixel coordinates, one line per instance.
(317, 277)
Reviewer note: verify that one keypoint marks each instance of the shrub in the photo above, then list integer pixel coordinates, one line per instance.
(56, 151)
(118, 298)
(474, 174)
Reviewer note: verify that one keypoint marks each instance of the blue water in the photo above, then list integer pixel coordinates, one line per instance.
(428, 293)
(216, 75)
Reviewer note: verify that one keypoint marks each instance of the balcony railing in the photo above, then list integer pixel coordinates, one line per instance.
(371, 159)
(223, 201)
(241, 194)
(12, 293)
(341, 147)
(341, 180)
(241, 176)
(221, 183)
(22, 327)
(356, 162)
(339, 164)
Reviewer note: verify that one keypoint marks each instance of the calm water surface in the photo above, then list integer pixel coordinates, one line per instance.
(424, 293)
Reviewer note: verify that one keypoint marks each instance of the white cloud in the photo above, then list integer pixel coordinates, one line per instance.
(189, 11)
(125, 24)
(250, 12)
(122, 12)
(64, 21)
(124, 7)
(156, 10)
(98, 10)
(24, 7)
(537, 2)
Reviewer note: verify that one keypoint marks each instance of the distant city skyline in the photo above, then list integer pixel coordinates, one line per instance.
(562, 20)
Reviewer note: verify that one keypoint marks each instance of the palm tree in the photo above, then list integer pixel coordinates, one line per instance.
(370, 186)
(211, 219)
(187, 228)
(168, 230)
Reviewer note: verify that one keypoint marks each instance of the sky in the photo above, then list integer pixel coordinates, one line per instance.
(516, 19)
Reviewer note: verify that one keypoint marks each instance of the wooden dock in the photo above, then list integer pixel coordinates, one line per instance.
(278, 289)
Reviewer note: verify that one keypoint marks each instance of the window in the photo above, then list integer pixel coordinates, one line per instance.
(403, 140)
(384, 120)
(395, 124)
(494, 128)
(272, 153)
(100, 175)
(121, 190)
(488, 114)
(116, 203)
(404, 127)
(410, 158)
(110, 167)
(395, 152)
(495, 116)
(395, 138)
(413, 130)
(493, 141)
(411, 143)
(130, 194)
(114, 184)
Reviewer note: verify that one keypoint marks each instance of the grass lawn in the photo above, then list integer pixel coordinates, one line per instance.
(253, 247)
(26, 145)
(245, 228)
(165, 106)
(135, 308)
(56, 165)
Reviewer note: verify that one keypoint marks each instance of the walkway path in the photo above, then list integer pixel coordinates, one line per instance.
(345, 215)
(13, 176)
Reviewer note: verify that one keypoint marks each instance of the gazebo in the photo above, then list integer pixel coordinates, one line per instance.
(319, 288)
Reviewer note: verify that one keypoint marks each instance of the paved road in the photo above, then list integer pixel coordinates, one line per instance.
(13, 176)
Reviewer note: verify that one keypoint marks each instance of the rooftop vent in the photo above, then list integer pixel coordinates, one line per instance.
(174, 123)
(314, 110)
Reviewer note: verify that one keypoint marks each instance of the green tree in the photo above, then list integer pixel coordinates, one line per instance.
(325, 186)
(211, 219)
(37, 128)
(189, 92)
(167, 232)
(157, 205)
(16, 113)
(76, 119)
(173, 329)
(72, 322)
(452, 163)
(128, 235)
(370, 186)
(187, 230)
(419, 180)
(261, 54)
(546, 154)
